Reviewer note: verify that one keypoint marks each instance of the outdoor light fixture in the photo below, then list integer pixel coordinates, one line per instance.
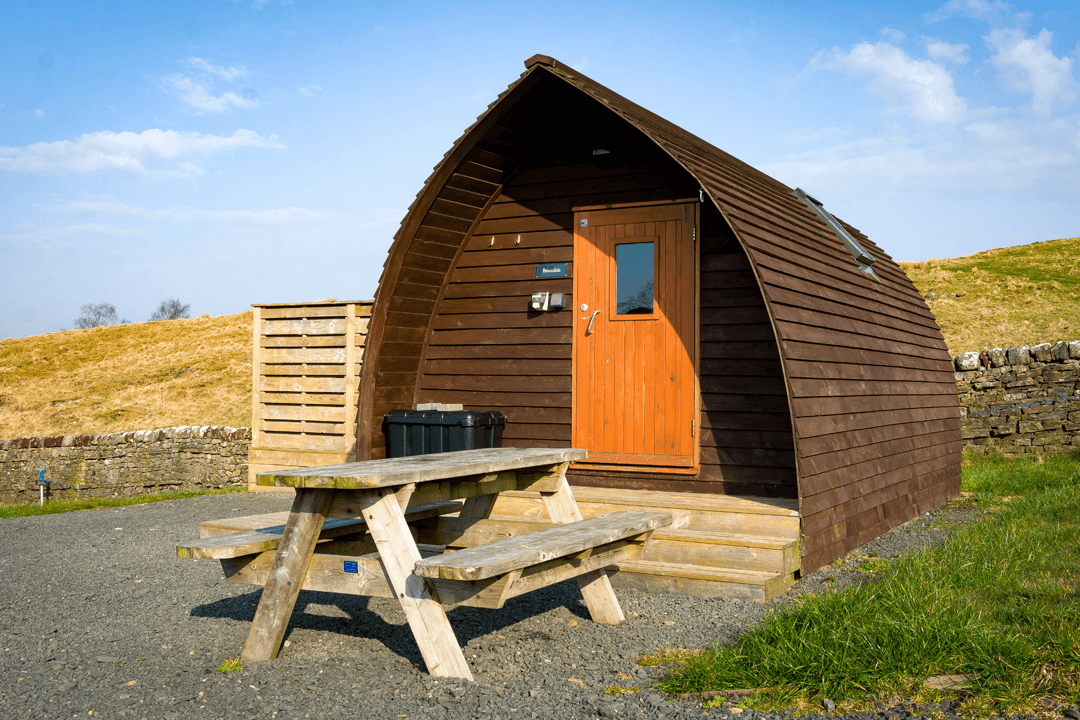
(601, 151)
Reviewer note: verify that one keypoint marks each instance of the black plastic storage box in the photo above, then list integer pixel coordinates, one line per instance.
(419, 432)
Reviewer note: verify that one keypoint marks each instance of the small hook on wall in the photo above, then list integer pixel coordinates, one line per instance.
(492, 241)
(518, 241)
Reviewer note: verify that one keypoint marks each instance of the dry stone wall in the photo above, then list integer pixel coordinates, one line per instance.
(130, 463)
(1022, 399)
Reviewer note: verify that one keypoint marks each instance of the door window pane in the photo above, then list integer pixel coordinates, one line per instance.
(634, 278)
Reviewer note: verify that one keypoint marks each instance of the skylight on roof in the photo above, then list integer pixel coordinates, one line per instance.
(861, 256)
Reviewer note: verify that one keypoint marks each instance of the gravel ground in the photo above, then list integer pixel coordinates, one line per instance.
(102, 619)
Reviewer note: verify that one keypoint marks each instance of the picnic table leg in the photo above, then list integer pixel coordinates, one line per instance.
(287, 573)
(425, 615)
(595, 586)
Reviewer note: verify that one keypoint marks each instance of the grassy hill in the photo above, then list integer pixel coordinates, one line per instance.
(997, 298)
(198, 371)
(128, 377)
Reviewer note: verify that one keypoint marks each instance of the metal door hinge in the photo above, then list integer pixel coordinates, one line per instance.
(692, 428)
(695, 233)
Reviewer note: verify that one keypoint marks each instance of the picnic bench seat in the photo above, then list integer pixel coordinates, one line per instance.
(252, 542)
(487, 575)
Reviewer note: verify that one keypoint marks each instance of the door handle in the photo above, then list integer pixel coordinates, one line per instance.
(591, 321)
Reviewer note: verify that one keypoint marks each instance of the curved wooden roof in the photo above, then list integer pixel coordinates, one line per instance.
(871, 390)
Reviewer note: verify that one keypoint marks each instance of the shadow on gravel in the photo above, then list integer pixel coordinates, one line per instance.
(361, 621)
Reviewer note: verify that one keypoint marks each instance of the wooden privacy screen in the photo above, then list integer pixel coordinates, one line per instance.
(306, 362)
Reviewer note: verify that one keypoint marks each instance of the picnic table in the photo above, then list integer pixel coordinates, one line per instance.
(394, 537)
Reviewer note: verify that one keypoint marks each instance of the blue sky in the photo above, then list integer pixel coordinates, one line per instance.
(229, 153)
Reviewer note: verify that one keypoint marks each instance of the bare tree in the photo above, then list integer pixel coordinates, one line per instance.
(98, 314)
(171, 309)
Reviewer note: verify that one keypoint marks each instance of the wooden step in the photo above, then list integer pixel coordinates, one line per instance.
(699, 581)
(724, 550)
(751, 516)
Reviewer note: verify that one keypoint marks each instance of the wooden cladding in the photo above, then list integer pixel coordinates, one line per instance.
(814, 378)
(306, 362)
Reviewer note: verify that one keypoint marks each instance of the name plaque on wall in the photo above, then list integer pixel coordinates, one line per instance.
(551, 270)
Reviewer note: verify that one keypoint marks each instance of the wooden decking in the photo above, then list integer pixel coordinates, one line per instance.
(718, 545)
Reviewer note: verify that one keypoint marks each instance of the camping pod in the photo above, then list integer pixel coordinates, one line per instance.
(720, 343)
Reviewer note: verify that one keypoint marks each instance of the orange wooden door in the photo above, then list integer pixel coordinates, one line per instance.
(635, 287)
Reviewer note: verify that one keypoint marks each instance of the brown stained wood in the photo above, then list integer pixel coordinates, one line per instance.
(734, 279)
(820, 444)
(717, 402)
(854, 387)
(561, 221)
(505, 320)
(499, 336)
(804, 407)
(444, 206)
(523, 288)
(537, 352)
(737, 333)
(494, 366)
(518, 255)
(416, 291)
(508, 241)
(816, 352)
(828, 490)
(746, 351)
(791, 305)
(740, 315)
(830, 424)
(497, 383)
(495, 399)
(924, 338)
(852, 371)
(809, 286)
(558, 434)
(736, 384)
(286, 575)
(468, 306)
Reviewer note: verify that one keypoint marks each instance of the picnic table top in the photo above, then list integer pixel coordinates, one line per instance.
(393, 472)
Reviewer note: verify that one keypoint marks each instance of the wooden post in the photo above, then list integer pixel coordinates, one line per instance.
(287, 574)
(349, 444)
(427, 619)
(595, 586)
(256, 372)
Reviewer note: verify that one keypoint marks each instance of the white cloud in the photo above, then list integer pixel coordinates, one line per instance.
(1029, 65)
(894, 35)
(310, 90)
(195, 95)
(986, 9)
(99, 205)
(221, 72)
(920, 87)
(941, 50)
(151, 152)
(99, 229)
(1025, 156)
(39, 112)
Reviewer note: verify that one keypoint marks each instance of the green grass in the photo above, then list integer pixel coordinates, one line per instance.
(230, 665)
(999, 603)
(93, 503)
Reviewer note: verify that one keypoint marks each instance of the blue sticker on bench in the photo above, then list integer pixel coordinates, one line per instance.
(351, 567)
